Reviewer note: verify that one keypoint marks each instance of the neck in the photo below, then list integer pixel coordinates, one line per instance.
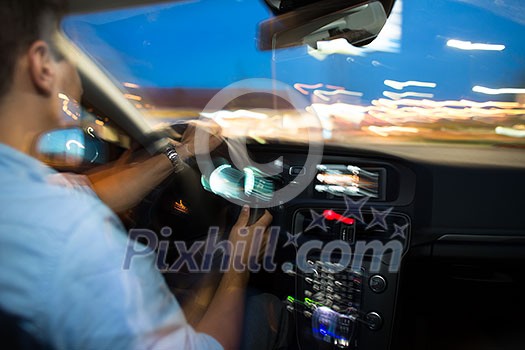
(21, 121)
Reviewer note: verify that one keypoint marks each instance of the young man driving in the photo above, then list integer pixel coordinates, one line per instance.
(62, 251)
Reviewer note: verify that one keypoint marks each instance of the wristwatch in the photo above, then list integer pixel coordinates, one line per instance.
(171, 152)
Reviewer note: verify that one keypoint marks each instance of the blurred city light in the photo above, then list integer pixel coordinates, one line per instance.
(467, 45)
(500, 91)
(399, 85)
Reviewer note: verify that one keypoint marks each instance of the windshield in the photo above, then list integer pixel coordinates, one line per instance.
(445, 71)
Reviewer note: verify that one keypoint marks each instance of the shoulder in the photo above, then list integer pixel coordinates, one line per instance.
(48, 206)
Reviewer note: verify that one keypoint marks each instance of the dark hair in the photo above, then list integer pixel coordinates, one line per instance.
(23, 23)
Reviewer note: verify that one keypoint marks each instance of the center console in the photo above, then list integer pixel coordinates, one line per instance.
(351, 228)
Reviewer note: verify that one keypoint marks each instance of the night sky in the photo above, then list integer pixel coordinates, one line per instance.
(213, 43)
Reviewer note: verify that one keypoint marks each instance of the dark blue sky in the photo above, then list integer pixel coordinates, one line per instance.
(212, 43)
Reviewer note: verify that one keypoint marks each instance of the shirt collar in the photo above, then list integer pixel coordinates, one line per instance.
(18, 162)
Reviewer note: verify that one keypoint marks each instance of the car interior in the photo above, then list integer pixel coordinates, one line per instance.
(423, 186)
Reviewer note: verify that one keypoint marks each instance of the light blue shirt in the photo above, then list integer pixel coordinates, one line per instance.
(61, 269)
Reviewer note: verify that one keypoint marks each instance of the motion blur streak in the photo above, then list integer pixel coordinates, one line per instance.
(133, 97)
(74, 142)
(63, 96)
(399, 85)
(301, 87)
(467, 45)
(398, 96)
(387, 130)
(67, 110)
(407, 110)
(511, 132)
(489, 91)
(131, 85)
(323, 94)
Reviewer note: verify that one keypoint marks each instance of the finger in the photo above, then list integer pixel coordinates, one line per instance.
(171, 133)
(264, 245)
(265, 220)
(189, 133)
(196, 124)
(244, 216)
(174, 143)
(216, 140)
(266, 239)
(267, 235)
(124, 158)
(258, 239)
(215, 129)
(213, 123)
(209, 126)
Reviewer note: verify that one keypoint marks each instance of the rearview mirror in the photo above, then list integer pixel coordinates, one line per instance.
(323, 21)
(70, 148)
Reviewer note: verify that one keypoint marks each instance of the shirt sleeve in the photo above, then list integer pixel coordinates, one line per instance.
(97, 302)
(72, 181)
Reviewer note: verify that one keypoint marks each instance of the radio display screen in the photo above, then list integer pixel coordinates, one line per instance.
(349, 180)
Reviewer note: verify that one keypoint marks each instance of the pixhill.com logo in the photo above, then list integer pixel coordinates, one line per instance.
(216, 253)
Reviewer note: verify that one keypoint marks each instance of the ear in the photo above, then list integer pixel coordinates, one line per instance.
(42, 67)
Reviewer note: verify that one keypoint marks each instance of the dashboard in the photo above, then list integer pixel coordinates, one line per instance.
(361, 236)
(463, 211)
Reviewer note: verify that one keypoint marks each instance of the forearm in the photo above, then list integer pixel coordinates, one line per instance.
(224, 318)
(196, 304)
(124, 187)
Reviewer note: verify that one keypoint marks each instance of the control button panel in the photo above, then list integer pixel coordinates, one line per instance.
(331, 299)
(332, 286)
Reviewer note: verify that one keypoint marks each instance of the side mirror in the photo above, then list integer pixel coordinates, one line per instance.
(70, 148)
(325, 20)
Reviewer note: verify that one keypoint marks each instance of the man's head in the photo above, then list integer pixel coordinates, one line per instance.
(23, 23)
(32, 71)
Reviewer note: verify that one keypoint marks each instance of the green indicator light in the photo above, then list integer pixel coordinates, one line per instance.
(290, 299)
(309, 301)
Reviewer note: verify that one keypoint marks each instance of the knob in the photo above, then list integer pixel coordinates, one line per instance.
(374, 321)
(377, 284)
